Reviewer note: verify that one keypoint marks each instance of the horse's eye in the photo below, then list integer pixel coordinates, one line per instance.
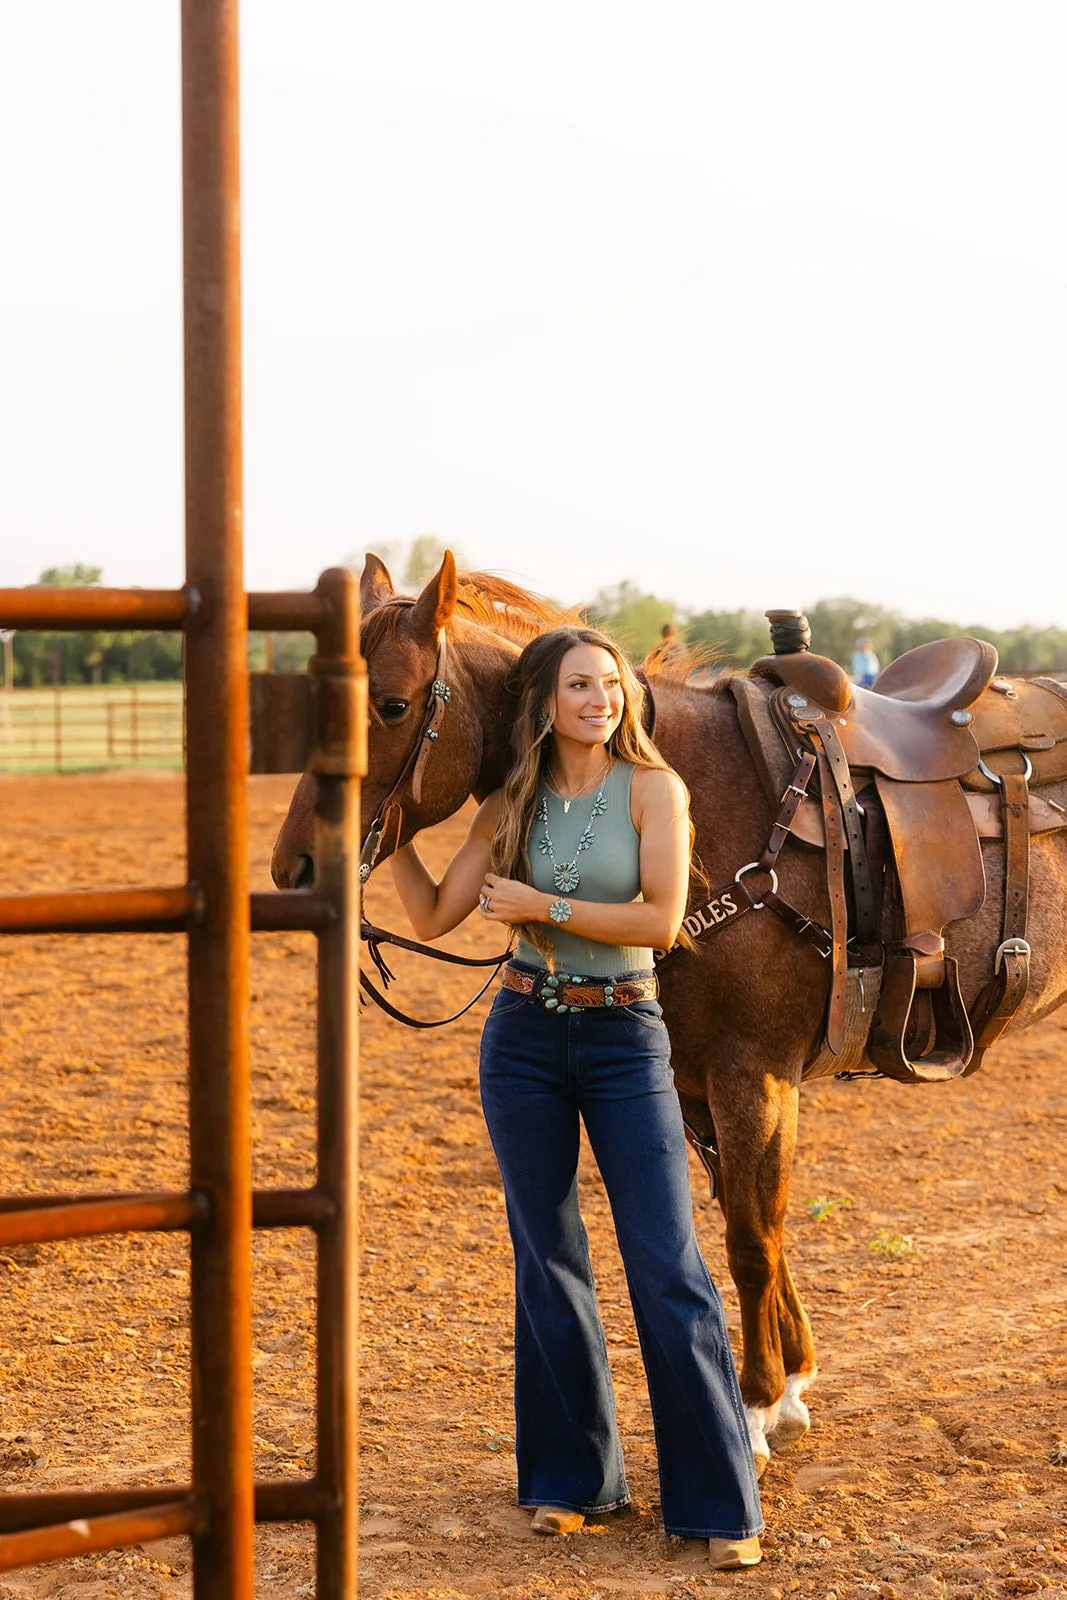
(393, 710)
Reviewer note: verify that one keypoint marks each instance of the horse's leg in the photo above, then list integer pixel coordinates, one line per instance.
(757, 1129)
(798, 1358)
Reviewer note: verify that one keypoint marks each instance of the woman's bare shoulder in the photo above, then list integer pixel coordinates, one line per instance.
(659, 786)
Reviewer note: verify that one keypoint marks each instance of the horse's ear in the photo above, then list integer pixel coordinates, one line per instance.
(437, 602)
(375, 584)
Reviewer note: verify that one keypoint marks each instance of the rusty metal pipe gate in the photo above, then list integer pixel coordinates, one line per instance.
(217, 913)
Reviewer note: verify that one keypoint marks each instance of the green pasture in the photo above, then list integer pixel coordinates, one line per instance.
(91, 728)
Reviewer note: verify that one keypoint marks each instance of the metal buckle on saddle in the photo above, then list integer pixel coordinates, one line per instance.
(1010, 947)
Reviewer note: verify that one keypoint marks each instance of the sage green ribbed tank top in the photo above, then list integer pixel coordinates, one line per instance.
(610, 871)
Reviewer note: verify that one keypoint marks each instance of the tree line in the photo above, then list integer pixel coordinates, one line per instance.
(739, 637)
(631, 615)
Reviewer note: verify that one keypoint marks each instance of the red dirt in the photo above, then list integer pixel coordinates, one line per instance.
(905, 1486)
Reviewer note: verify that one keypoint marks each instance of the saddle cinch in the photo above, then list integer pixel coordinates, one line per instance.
(939, 754)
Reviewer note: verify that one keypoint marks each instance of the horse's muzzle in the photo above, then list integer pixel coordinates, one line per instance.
(300, 875)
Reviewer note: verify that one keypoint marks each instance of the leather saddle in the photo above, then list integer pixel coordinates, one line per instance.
(932, 747)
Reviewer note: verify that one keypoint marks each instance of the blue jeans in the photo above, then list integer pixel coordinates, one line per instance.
(539, 1073)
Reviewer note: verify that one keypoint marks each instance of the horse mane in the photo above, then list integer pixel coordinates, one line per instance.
(514, 613)
(484, 598)
(682, 663)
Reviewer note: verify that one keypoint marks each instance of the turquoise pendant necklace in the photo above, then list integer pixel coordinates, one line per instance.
(565, 874)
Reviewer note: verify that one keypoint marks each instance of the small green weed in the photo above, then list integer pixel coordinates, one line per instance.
(823, 1208)
(1058, 1455)
(894, 1246)
(494, 1440)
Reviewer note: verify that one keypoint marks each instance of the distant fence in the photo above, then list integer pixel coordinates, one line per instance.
(75, 729)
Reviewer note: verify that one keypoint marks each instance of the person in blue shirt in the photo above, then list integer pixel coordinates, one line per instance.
(865, 664)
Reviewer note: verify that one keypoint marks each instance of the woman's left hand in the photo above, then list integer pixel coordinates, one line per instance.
(507, 900)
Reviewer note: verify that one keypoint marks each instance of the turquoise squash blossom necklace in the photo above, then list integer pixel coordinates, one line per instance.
(565, 874)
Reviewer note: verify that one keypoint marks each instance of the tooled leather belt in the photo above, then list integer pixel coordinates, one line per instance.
(562, 992)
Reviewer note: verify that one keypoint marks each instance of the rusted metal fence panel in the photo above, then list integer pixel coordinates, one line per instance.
(219, 1210)
(217, 913)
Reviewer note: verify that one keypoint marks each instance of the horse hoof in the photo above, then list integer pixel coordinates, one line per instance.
(761, 1453)
(794, 1419)
(788, 1431)
(758, 1419)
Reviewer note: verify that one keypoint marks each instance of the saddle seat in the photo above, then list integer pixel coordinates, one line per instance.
(944, 675)
(914, 724)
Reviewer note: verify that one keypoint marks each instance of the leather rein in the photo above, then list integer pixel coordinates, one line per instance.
(413, 769)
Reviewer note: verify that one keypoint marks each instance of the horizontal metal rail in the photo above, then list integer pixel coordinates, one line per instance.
(81, 1536)
(296, 612)
(31, 1223)
(167, 910)
(276, 1500)
(101, 911)
(292, 911)
(271, 1208)
(77, 608)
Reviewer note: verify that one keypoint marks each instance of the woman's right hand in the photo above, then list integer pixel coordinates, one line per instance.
(436, 908)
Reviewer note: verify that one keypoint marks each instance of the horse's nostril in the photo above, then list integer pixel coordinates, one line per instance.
(305, 873)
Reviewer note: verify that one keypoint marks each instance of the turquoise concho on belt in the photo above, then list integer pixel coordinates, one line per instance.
(562, 992)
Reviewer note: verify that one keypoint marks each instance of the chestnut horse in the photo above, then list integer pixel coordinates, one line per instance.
(745, 1008)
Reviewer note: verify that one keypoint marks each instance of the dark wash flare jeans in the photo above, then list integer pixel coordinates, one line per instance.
(539, 1073)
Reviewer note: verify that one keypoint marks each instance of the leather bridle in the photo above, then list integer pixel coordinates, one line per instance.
(415, 765)
(440, 694)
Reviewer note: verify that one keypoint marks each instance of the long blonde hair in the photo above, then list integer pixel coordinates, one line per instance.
(534, 678)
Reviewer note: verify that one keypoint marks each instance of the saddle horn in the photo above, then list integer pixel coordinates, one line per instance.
(790, 632)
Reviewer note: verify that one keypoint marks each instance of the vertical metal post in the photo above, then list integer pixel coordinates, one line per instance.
(217, 743)
(8, 637)
(339, 759)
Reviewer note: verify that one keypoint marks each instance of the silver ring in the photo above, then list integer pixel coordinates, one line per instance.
(994, 777)
(484, 904)
(757, 905)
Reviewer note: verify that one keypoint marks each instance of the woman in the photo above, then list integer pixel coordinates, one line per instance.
(585, 851)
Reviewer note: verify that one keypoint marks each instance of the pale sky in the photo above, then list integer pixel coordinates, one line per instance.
(749, 304)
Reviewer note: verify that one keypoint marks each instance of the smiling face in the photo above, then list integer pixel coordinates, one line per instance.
(589, 696)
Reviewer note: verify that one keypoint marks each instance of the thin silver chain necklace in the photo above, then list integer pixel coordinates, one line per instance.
(567, 799)
(565, 874)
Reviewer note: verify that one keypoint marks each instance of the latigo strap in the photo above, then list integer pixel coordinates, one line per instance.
(995, 1008)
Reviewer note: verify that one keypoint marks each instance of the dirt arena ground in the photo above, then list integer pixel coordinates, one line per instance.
(937, 1461)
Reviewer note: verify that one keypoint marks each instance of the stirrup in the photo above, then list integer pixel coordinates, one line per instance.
(953, 1042)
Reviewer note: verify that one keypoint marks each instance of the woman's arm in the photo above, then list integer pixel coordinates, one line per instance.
(436, 908)
(661, 817)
